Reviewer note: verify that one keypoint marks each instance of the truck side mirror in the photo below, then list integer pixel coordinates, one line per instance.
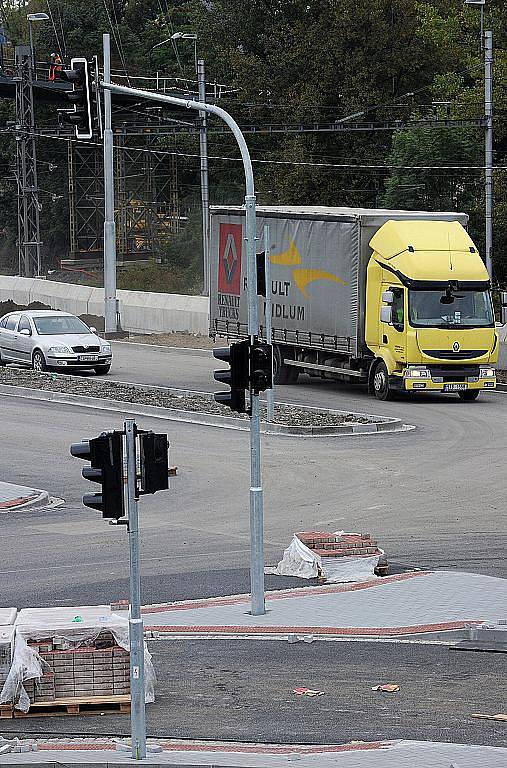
(386, 314)
(387, 297)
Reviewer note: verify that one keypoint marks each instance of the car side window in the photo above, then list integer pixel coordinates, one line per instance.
(24, 324)
(3, 322)
(12, 322)
(398, 308)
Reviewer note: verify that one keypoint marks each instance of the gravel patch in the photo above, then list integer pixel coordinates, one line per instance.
(141, 395)
(190, 340)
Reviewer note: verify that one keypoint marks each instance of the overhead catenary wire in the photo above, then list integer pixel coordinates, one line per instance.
(58, 43)
(117, 39)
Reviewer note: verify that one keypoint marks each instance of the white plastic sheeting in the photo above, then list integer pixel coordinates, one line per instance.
(299, 560)
(76, 626)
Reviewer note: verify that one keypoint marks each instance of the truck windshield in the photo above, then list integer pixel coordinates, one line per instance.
(445, 309)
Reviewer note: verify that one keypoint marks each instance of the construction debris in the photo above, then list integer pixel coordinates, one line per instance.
(389, 688)
(500, 717)
(307, 692)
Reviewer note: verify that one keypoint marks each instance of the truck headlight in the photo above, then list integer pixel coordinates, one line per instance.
(60, 350)
(417, 373)
(487, 373)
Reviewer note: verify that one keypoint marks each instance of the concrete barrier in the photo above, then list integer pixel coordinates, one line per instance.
(141, 311)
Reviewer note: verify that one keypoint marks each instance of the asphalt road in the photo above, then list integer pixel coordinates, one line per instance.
(241, 690)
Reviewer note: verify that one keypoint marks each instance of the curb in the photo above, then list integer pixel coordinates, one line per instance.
(387, 425)
(27, 502)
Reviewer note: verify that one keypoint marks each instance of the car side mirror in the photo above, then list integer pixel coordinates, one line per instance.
(386, 315)
(387, 297)
(92, 329)
(25, 332)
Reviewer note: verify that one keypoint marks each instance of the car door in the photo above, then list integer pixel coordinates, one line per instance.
(24, 341)
(9, 338)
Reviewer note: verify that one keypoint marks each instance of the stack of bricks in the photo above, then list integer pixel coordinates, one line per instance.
(101, 669)
(5, 653)
(335, 545)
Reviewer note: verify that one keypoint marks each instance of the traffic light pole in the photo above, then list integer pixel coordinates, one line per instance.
(110, 314)
(270, 393)
(136, 630)
(256, 493)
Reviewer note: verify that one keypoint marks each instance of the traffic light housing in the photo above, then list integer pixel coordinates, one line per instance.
(105, 454)
(237, 376)
(80, 97)
(261, 366)
(153, 449)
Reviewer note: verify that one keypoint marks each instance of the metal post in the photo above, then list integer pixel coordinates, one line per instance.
(256, 496)
(488, 180)
(270, 394)
(109, 223)
(203, 146)
(136, 633)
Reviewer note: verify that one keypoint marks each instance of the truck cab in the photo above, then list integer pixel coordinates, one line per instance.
(429, 316)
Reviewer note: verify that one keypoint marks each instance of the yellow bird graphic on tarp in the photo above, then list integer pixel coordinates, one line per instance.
(303, 277)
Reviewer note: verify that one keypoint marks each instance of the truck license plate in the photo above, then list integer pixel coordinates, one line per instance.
(454, 387)
(88, 358)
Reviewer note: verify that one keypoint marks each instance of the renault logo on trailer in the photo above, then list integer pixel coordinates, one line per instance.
(455, 346)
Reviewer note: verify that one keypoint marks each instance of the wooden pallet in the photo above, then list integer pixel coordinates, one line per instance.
(74, 706)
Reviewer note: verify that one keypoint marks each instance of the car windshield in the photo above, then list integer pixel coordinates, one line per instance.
(450, 308)
(56, 325)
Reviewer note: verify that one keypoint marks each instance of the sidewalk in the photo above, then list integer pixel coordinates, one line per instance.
(406, 604)
(395, 754)
(14, 497)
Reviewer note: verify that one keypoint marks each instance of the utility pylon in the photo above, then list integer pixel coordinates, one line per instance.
(29, 263)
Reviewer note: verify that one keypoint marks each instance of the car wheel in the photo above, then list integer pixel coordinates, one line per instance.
(2, 361)
(381, 388)
(100, 370)
(469, 395)
(39, 361)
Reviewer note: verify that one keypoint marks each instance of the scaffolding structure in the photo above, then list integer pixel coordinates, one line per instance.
(29, 262)
(146, 199)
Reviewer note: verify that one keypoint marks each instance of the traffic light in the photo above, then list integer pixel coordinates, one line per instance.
(153, 450)
(236, 376)
(80, 97)
(105, 454)
(261, 366)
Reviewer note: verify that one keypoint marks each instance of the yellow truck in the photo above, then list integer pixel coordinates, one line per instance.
(397, 299)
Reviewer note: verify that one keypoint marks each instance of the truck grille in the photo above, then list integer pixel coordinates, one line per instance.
(86, 349)
(454, 373)
(450, 354)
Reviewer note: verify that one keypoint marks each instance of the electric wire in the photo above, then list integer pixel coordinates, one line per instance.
(117, 39)
(58, 5)
(58, 44)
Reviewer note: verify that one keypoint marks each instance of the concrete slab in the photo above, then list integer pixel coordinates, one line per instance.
(406, 604)
(397, 754)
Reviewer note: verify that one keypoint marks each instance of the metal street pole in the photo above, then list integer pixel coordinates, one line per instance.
(110, 303)
(488, 180)
(136, 631)
(256, 494)
(270, 394)
(203, 147)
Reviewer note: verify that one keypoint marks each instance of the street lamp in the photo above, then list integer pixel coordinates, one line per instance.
(487, 47)
(203, 151)
(31, 18)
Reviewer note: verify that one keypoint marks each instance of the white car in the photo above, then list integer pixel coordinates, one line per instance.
(45, 339)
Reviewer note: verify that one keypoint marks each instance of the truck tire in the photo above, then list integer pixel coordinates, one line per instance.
(469, 395)
(282, 374)
(380, 382)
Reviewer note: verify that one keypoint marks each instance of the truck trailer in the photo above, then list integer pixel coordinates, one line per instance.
(399, 300)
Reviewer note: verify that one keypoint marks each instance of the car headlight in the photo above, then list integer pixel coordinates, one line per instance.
(60, 350)
(487, 373)
(106, 349)
(417, 373)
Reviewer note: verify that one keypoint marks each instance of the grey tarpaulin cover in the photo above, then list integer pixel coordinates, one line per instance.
(78, 626)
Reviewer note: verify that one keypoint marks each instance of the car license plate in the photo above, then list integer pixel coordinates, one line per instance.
(88, 358)
(454, 387)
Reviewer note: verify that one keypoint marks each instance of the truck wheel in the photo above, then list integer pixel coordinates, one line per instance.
(381, 382)
(283, 374)
(469, 395)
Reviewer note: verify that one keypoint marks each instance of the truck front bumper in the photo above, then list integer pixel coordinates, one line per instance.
(429, 385)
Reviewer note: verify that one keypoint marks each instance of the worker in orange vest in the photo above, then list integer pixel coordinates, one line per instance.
(55, 67)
